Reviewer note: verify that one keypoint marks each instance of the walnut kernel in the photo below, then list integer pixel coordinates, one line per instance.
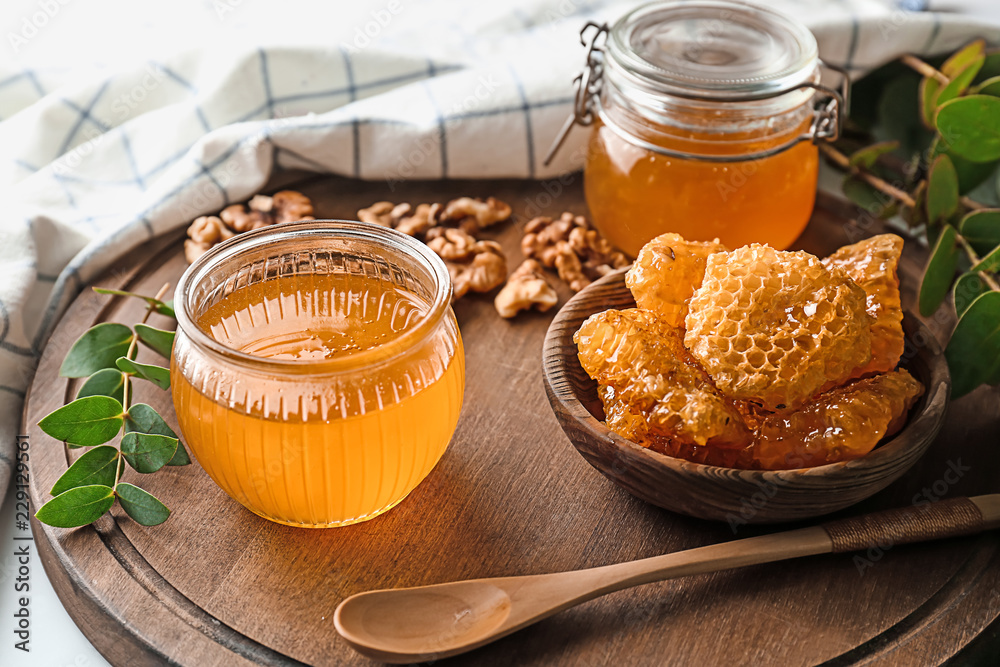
(484, 213)
(525, 288)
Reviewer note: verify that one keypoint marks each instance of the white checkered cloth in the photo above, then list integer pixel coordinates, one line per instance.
(93, 165)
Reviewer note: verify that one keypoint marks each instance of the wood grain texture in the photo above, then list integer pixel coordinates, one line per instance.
(738, 497)
(216, 585)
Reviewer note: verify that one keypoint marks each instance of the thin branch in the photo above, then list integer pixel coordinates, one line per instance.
(879, 184)
(127, 377)
(973, 204)
(975, 259)
(924, 69)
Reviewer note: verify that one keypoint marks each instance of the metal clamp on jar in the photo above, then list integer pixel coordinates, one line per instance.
(705, 121)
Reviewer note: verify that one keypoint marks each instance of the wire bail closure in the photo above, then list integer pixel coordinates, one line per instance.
(830, 109)
(587, 84)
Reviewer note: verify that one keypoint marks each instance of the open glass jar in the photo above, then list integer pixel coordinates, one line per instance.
(318, 370)
(705, 116)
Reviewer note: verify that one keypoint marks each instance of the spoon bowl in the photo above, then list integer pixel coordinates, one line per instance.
(431, 621)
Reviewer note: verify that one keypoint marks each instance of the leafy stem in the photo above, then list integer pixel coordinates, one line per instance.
(127, 377)
(879, 184)
(105, 408)
(933, 156)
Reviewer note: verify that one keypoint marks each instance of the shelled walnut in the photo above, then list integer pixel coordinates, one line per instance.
(261, 211)
(525, 288)
(578, 253)
(204, 232)
(483, 213)
(476, 266)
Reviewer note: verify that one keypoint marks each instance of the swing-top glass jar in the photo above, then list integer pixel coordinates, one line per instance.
(705, 121)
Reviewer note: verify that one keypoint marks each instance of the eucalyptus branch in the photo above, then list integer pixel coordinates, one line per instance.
(127, 377)
(104, 410)
(871, 179)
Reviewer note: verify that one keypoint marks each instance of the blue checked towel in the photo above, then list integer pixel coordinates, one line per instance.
(96, 160)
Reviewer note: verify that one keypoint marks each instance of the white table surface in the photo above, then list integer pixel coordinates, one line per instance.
(136, 32)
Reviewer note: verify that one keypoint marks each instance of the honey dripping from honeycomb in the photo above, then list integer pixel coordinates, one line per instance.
(754, 358)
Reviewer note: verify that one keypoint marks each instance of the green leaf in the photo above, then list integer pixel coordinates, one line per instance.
(142, 506)
(988, 87)
(970, 174)
(965, 57)
(973, 353)
(915, 216)
(147, 452)
(181, 457)
(939, 272)
(971, 127)
(991, 67)
(105, 382)
(981, 229)
(95, 467)
(989, 263)
(77, 507)
(967, 289)
(97, 348)
(942, 189)
(960, 81)
(160, 341)
(161, 307)
(158, 375)
(867, 156)
(141, 418)
(929, 89)
(85, 422)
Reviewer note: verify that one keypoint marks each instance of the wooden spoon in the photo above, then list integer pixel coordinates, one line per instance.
(431, 622)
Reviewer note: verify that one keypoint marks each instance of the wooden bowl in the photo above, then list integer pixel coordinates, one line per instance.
(727, 494)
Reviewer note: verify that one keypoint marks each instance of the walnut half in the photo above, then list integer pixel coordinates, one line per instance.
(475, 266)
(525, 288)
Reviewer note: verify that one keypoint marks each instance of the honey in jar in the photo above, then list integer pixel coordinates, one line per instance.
(340, 377)
(704, 120)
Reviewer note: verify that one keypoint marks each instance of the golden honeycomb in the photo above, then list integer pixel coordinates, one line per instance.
(622, 419)
(872, 264)
(644, 360)
(667, 272)
(775, 327)
(843, 423)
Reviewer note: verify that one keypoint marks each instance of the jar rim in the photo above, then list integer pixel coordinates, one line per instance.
(352, 362)
(711, 49)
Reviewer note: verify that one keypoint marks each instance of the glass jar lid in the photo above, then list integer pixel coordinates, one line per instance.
(712, 49)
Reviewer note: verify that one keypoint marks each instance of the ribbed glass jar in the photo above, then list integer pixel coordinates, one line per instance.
(318, 369)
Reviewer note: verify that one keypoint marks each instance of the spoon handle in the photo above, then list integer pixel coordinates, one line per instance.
(927, 521)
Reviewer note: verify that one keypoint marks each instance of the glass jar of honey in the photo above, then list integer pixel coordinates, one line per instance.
(704, 120)
(318, 369)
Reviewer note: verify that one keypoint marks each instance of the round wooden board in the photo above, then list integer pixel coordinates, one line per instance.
(216, 585)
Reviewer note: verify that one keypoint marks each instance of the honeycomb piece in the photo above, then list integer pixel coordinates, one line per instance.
(667, 272)
(623, 420)
(872, 264)
(643, 358)
(843, 423)
(775, 327)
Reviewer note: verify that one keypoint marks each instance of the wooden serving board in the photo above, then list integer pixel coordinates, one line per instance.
(216, 585)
